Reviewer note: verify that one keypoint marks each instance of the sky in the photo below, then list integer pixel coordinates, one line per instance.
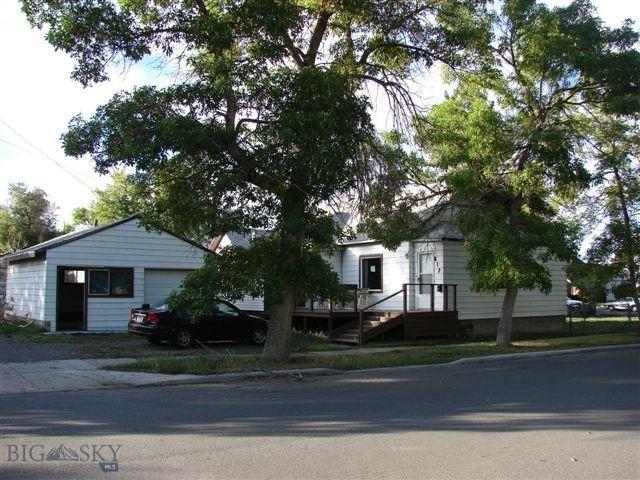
(37, 99)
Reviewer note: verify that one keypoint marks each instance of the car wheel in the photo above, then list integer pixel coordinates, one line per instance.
(258, 336)
(182, 338)
(610, 308)
(154, 341)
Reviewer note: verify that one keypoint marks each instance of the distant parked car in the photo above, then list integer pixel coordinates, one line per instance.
(226, 322)
(621, 304)
(573, 303)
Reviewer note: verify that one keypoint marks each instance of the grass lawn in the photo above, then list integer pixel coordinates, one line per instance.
(36, 334)
(207, 364)
(590, 326)
(309, 342)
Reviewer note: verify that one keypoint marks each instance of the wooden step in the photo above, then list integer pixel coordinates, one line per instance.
(371, 323)
(347, 338)
(345, 341)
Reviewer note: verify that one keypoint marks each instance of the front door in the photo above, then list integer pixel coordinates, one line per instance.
(70, 313)
(425, 277)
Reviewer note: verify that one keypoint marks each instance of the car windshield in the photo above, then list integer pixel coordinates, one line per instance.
(161, 305)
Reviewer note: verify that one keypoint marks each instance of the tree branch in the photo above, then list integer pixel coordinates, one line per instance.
(316, 39)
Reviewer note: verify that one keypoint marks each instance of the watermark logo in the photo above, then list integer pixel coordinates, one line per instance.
(105, 455)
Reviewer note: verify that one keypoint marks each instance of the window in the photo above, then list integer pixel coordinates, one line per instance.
(111, 282)
(73, 276)
(371, 273)
(121, 283)
(226, 310)
(99, 282)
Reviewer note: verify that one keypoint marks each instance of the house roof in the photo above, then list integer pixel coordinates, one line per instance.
(31, 252)
(238, 239)
(439, 225)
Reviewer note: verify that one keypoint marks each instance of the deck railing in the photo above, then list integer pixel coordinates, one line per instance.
(331, 302)
(433, 287)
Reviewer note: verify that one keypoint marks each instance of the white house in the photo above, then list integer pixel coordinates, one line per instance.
(441, 260)
(437, 258)
(90, 279)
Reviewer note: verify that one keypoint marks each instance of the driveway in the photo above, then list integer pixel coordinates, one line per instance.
(570, 417)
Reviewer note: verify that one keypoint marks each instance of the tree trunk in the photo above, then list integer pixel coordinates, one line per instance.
(287, 269)
(628, 240)
(506, 316)
(278, 344)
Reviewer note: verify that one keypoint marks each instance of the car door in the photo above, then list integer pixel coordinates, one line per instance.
(226, 321)
(201, 327)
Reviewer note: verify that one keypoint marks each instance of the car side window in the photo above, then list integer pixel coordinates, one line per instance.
(226, 310)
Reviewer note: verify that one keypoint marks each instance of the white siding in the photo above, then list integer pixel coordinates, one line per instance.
(396, 268)
(248, 303)
(529, 303)
(124, 245)
(26, 288)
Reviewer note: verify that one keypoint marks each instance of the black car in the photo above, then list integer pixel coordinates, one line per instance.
(226, 322)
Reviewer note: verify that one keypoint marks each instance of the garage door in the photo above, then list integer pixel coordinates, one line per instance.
(158, 284)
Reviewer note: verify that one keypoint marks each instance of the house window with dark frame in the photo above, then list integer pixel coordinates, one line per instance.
(111, 282)
(371, 273)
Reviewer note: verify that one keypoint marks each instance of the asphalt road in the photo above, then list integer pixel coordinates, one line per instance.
(575, 416)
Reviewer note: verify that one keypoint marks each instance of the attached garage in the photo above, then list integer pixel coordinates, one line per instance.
(89, 280)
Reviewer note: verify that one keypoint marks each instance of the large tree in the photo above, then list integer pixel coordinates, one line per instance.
(267, 127)
(27, 219)
(506, 144)
(122, 198)
(615, 144)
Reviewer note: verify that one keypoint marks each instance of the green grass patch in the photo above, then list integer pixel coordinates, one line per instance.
(23, 330)
(312, 342)
(208, 364)
(36, 334)
(578, 328)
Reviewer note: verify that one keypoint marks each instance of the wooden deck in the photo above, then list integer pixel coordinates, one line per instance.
(343, 326)
(359, 324)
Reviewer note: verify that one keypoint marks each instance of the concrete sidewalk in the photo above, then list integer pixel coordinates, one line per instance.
(66, 375)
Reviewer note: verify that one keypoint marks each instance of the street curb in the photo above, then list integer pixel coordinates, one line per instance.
(545, 353)
(300, 374)
(508, 357)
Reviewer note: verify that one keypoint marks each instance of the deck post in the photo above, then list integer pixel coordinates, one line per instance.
(404, 311)
(304, 325)
(404, 300)
(361, 321)
(445, 297)
(330, 316)
(455, 297)
(355, 300)
(432, 299)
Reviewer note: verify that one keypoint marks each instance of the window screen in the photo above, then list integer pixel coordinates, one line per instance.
(121, 283)
(111, 282)
(98, 282)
